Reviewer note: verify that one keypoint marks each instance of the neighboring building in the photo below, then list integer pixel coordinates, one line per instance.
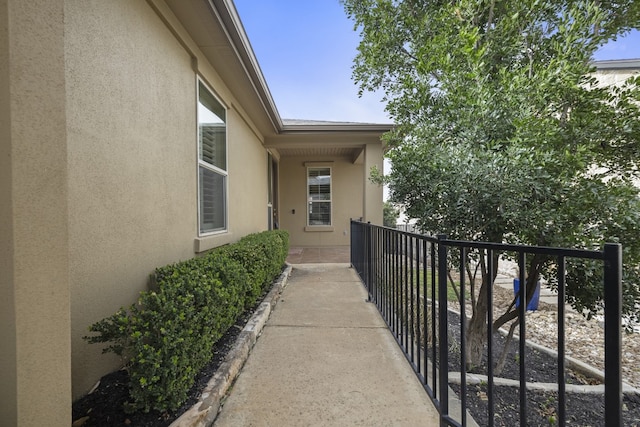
(617, 71)
(136, 134)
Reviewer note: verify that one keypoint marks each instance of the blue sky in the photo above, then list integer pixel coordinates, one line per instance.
(305, 49)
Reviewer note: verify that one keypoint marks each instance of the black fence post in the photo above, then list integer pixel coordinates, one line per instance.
(443, 330)
(612, 334)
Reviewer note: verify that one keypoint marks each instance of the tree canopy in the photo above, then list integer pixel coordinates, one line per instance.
(504, 132)
(390, 215)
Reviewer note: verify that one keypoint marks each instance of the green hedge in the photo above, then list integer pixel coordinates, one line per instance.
(167, 336)
(261, 257)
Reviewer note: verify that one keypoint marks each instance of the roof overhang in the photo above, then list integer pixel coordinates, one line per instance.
(346, 140)
(618, 64)
(216, 29)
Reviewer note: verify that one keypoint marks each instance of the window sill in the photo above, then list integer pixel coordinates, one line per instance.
(314, 228)
(204, 243)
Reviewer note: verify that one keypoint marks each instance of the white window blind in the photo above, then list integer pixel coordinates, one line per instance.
(212, 162)
(319, 196)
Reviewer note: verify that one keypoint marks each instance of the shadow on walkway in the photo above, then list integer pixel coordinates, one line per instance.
(326, 254)
(326, 358)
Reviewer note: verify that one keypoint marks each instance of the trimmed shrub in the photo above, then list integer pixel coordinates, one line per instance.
(262, 255)
(166, 337)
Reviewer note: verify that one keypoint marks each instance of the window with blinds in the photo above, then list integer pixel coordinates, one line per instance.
(319, 196)
(212, 162)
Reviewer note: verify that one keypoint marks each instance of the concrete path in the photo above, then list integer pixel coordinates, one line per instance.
(319, 255)
(326, 358)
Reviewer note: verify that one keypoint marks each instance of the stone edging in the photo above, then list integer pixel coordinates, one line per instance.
(204, 412)
(576, 365)
(455, 378)
(571, 363)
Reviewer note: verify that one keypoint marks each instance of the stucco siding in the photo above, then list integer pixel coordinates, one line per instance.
(131, 107)
(132, 183)
(347, 202)
(34, 274)
(248, 191)
(373, 200)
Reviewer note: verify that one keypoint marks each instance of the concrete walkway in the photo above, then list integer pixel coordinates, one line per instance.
(319, 255)
(326, 358)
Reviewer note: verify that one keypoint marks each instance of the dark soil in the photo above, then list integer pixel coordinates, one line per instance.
(104, 407)
(584, 410)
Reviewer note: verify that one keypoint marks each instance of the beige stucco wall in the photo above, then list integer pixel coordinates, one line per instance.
(248, 189)
(373, 201)
(132, 188)
(34, 248)
(347, 201)
(8, 351)
(131, 105)
(614, 77)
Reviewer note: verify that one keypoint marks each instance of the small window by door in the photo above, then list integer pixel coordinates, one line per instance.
(319, 196)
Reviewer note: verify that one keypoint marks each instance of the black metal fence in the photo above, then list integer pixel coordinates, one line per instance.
(408, 276)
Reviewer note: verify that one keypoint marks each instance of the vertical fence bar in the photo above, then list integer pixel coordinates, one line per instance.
(355, 245)
(352, 245)
(612, 334)
(463, 340)
(418, 337)
(365, 266)
(425, 312)
(410, 296)
(378, 263)
(405, 292)
(374, 291)
(374, 264)
(380, 269)
(389, 280)
(522, 350)
(396, 297)
(387, 266)
(443, 330)
(490, 338)
(369, 259)
(435, 340)
(562, 397)
(384, 269)
(392, 282)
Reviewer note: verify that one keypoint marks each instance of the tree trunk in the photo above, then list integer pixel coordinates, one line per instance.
(476, 333)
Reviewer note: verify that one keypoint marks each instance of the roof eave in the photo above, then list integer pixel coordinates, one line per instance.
(240, 41)
(337, 128)
(617, 64)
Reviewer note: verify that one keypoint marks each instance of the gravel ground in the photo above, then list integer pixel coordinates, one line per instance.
(585, 342)
(584, 338)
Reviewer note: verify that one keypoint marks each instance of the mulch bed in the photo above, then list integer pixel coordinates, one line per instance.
(584, 410)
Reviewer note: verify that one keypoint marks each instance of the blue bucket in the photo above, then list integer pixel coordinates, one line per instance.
(533, 304)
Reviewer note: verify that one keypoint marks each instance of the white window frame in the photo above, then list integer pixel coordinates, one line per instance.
(204, 165)
(309, 198)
